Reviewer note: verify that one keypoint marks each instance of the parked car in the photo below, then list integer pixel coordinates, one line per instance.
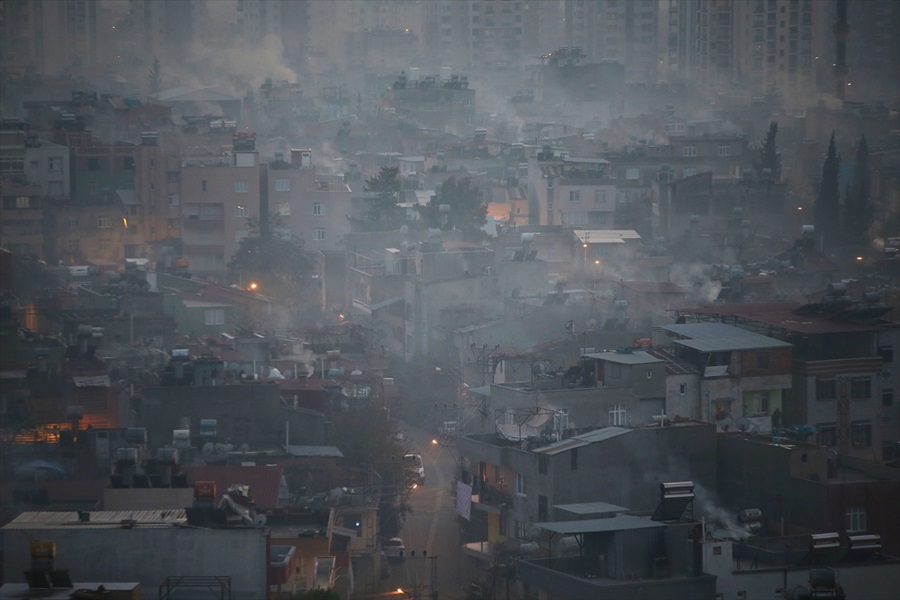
(393, 549)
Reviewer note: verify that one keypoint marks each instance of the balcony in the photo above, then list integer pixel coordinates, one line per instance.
(490, 499)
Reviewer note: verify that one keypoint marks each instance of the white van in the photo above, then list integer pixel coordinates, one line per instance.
(415, 467)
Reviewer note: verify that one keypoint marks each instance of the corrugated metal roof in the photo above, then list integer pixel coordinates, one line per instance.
(618, 523)
(597, 435)
(636, 357)
(98, 519)
(326, 451)
(588, 508)
(718, 337)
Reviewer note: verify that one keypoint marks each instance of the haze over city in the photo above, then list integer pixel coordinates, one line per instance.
(469, 299)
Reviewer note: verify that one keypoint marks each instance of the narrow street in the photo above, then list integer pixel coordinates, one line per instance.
(432, 567)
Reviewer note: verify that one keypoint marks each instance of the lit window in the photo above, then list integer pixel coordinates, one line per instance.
(282, 185)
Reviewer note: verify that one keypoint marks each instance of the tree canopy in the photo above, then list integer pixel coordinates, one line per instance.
(769, 156)
(464, 207)
(382, 197)
(827, 207)
(279, 266)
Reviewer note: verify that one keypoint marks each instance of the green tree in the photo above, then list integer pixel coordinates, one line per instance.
(769, 156)
(858, 210)
(154, 78)
(827, 207)
(280, 267)
(317, 594)
(465, 207)
(382, 197)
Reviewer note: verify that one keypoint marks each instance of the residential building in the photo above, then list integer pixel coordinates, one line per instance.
(743, 376)
(575, 192)
(623, 31)
(219, 198)
(838, 366)
(516, 482)
(308, 205)
(444, 102)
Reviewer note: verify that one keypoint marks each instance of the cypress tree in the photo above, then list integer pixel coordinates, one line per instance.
(827, 208)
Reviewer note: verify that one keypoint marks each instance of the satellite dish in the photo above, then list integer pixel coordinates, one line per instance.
(259, 521)
(208, 448)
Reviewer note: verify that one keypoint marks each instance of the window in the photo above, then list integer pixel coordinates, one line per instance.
(104, 222)
(860, 388)
(54, 164)
(240, 210)
(283, 209)
(521, 530)
(543, 464)
(724, 150)
(575, 196)
(318, 209)
(632, 173)
(282, 185)
(23, 201)
(240, 186)
(600, 196)
(543, 512)
(520, 483)
(689, 151)
(204, 186)
(319, 234)
(173, 200)
(856, 519)
(861, 434)
(172, 176)
(214, 316)
(574, 459)
(826, 389)
(617, 415)
(826, 434)
(762, 360)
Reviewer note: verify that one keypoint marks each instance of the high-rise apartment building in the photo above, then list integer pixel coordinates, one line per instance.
(625, 30)
(750, 46)
(49, 37)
